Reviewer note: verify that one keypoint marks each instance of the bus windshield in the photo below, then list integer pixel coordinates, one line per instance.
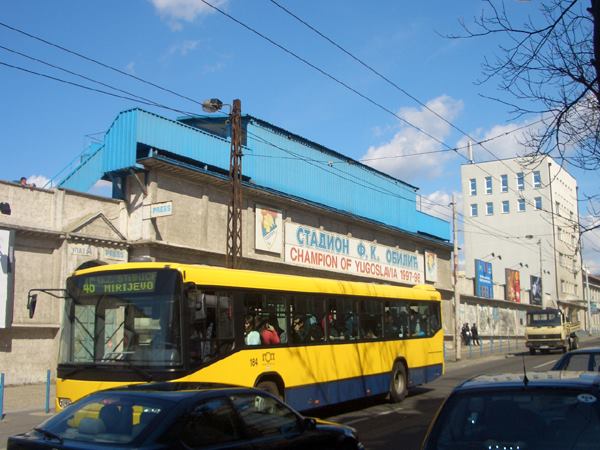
(543, 319)
(123, 318)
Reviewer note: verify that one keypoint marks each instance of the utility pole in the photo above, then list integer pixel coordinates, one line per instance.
(455, 281)
(586, 289)
(234, 212)
(539, 243)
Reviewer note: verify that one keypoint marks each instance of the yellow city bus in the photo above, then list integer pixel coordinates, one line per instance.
(312, 341)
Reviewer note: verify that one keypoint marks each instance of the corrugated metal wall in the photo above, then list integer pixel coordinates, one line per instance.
(290, 166)
(272, 160)
(87, 173)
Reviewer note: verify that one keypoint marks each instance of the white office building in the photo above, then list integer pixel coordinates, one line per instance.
(521, 223)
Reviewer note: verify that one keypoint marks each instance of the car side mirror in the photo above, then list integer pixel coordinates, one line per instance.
(310, 423)
(31, 303)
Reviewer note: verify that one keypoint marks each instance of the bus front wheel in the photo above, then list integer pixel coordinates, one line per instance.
(399, 383)
(270, 387)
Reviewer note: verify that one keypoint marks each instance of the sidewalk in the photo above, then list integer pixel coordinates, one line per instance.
(487, 348)
(27, 397)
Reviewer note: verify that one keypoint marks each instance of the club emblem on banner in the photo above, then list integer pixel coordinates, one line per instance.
(268, 229)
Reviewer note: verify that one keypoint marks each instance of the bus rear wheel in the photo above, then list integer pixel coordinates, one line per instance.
(270, 387)
(399, 383)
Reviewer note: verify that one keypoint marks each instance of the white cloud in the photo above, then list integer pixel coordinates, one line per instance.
(183, 48)
(389, 158)
(437, 204)
(130, 68)
(102, 188)
(40, 181)
(508, 144)
(175, 11)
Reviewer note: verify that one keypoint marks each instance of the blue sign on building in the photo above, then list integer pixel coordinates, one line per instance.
(484, 283)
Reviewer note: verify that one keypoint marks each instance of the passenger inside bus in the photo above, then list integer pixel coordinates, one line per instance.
(268, 333)
(251, 335)
(303, 331)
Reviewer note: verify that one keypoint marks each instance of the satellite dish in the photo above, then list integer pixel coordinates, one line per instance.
(212, 105)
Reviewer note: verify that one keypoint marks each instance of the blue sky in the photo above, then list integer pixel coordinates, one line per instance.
(199, 53)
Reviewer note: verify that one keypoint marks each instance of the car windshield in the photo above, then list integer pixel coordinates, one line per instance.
(545, 319)
(107, 418)
(541, 418)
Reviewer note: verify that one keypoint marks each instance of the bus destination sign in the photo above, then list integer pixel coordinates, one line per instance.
(127, 283)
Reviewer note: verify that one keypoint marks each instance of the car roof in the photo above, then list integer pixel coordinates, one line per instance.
(585, 350)
(176, 391)
(553, 378)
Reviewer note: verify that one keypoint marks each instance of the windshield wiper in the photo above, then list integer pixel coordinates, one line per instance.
(74, 370)
(147, 376)
(49, 434)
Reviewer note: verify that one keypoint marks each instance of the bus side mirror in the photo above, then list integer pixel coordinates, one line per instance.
(31, 302)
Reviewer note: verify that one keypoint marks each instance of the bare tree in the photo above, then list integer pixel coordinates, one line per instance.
(551, 69)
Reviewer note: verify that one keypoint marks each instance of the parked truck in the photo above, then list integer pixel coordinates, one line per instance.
(550, 329)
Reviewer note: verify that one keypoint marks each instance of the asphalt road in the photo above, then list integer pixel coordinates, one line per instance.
(381, 425)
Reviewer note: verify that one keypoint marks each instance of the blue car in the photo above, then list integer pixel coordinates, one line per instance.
(546, 410)
(184, 416)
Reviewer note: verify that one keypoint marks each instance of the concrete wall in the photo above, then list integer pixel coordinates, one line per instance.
(51, 227)
(57, 231)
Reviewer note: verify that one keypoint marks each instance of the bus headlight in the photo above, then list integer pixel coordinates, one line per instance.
(64, 402)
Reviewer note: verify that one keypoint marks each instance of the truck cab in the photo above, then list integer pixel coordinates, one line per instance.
(550, 329)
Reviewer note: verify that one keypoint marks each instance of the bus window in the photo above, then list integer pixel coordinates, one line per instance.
(347, 318)
(369, 318)
(306, 312)
(266, 314)
(434, 318)
(274, 319)
(403, 315)
(224, 332)
(211, 325)
(391, 321)
(331, 324)
(419, 319)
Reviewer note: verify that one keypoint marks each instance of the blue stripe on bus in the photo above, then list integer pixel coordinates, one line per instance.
(322, 394)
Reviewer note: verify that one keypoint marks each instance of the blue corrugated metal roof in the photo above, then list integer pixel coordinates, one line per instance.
(273, 159)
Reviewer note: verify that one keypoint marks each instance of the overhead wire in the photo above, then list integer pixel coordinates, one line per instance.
(139, 78)
(395, 85)
(180, 111)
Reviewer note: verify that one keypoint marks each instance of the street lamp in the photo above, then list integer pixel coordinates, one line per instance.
(212, 105)
(493, 256)
(234, 213)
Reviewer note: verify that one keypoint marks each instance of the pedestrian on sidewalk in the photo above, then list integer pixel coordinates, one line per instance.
(475, 335)
(466, 334)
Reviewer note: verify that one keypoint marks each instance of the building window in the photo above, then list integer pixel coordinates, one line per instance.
(521, 205)
(538, 203)
(504, 183)
(489, 208)
(520, 181)
(505, 207)
(557, 208)
(473, 186)
(537, 179)
(488, 185)
(473, 209)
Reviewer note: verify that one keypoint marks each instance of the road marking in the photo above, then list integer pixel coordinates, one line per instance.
(382, 413)
(545, 364)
